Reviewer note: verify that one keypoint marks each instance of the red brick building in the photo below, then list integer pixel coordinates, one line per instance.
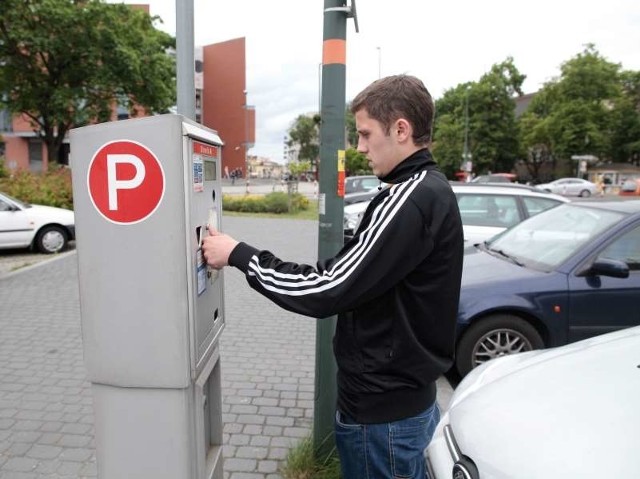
(221, 104)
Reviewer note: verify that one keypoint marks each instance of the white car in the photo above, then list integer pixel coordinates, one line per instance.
(44, 228)
(486, 210)
(570, 187)
(565, 412)
(355, 184)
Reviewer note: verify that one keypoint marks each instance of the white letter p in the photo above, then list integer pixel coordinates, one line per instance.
(114, 184)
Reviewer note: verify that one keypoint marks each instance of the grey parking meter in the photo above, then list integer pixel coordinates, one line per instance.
(151, 310)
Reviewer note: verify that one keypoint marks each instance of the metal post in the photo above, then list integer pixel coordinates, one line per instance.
(185, 61)
(331, 208)
(466, 154)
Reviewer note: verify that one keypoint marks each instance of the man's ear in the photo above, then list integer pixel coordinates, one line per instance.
(403, 130)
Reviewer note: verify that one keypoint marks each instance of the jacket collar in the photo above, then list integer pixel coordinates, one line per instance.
(418, 161)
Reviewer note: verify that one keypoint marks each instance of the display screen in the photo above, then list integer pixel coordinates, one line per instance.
(210, 173)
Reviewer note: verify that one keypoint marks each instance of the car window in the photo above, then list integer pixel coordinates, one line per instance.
(488, 210)
(369, 183)
(547, 239)
(4, 206)
(626, 248)
(538, 205)
(355, 184)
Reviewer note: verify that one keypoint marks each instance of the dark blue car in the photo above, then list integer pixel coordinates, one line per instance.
(567, 274)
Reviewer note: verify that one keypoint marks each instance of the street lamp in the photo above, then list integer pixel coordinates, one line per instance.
(246, 140)
(466, 154)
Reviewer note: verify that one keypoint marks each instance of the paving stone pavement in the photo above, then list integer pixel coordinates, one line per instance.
(267, 362)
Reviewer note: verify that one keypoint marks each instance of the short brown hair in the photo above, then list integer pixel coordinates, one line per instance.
(399, 96)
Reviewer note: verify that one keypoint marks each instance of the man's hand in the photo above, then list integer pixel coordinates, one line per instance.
(217, 247)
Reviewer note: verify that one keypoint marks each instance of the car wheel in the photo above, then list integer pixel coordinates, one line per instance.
(51, 239)
(492, 337)
(584, 194)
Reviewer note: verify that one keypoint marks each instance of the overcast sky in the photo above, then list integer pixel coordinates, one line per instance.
(443, 42)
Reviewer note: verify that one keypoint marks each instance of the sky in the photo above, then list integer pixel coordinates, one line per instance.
(443, 42)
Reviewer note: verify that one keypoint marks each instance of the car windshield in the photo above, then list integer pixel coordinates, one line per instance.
(549, 238)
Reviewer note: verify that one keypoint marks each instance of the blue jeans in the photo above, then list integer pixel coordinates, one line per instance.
(387, 450)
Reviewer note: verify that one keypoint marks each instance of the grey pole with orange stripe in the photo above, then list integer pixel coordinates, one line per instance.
(331, 204)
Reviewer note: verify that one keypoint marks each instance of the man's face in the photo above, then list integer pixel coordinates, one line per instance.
(380, 149)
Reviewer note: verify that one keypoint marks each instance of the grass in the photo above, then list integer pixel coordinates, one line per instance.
(301, 463)
(309, 214)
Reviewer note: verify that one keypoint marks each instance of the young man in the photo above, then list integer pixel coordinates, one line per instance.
(395, 287)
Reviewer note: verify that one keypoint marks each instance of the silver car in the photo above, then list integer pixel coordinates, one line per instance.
(571, 187)
(486, 209)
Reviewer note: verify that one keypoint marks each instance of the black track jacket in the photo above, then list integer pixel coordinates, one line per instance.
(395, 287)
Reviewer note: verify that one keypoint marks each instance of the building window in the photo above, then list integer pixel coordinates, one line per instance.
(35, 155)
(5, 121)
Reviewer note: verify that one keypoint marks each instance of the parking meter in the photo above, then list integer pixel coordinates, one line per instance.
(152, 311)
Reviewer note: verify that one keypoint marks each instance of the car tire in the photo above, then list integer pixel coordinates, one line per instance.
(584, 194)
(51, 239)
(495, 336)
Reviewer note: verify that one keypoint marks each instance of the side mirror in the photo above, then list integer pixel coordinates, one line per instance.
(607, 267)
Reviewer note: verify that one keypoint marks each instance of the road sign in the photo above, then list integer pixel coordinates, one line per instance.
(126, 182)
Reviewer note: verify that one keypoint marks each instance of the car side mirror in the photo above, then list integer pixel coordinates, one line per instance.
(607, 267)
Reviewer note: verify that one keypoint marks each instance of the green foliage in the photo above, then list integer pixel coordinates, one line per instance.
(593, 108)
(302, 463)
(4, 171)
(276, 202)
(492, 128)
(51, 189)
(305, 135)
(68, 63)
(356, 163)
(350, 127)
(299, 167)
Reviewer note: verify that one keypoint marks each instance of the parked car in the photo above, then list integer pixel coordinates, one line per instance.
(630, 188)
(495, 178)
(566, 274)
(44, 228)
(353, 184)
(486, 209)
(570, 411)
(571, 187)
(361, 196)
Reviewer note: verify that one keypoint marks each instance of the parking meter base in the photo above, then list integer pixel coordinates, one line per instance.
(148, 432)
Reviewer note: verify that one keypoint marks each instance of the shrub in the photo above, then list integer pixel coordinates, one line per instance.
(4, 171)
(299, 202)
(276, 202)
(51, 189)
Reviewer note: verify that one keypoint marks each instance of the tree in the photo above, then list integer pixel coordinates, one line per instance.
(492, 128)
(356, 163)
(304, 135)
(67, 63)
(591, 109)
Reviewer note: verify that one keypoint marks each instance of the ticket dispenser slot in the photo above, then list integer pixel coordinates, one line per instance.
(152, 311)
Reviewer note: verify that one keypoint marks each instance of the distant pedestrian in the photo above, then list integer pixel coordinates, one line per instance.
(395, 287)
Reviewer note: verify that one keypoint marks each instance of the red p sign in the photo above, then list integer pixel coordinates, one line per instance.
(125, 181)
